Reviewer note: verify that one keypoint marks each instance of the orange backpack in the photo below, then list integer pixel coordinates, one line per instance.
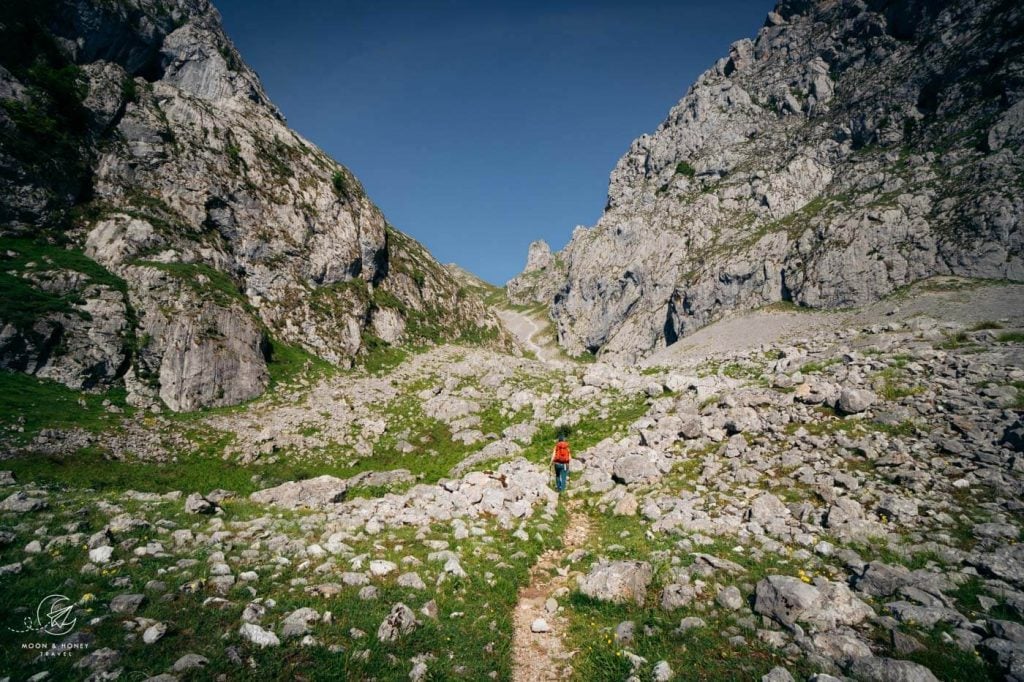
(562, 452)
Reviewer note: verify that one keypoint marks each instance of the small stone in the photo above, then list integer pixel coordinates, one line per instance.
(662, 672)
(418, 672)
(253, 612)
(400, 621)
(411, 580)
(197, 504)
(189, 662)
(627, 506)
(101, 555)
(777, 674)
(100, 660)
(296, 623)
(624, 632)
(690, 623)
(729, 598)
(127, 603)
(540, 625)
(154, 632)
(258, 636)
(380, 568)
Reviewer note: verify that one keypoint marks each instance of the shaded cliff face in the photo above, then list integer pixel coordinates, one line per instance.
(134, 133)
(850, 149)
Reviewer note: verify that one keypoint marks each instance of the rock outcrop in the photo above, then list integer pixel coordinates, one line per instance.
(851, 148)
(540, 279)
(160, 222)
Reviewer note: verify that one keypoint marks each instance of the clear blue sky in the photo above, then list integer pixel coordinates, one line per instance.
(478, 126)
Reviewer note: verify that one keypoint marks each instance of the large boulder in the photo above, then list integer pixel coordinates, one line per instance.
(890, 670)
(767, 509)
(636, 468)
(1005, 563)
(618, 581)
(311, 492)
(855, 400)
(22, 502)
(823, 604)
(881, 580)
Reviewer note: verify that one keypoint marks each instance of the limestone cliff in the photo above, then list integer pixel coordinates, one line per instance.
(539, 280)
(133, 132)
(851, 148)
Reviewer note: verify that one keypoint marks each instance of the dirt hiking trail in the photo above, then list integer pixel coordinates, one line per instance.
(541, 656)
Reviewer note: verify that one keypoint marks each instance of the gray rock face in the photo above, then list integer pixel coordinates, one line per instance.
(82, 346)
(618, 581)
(216, 226)
(767, 509)
(538, 257)
(677, 596)
(662, 672)
(786, 175)
(220, 360)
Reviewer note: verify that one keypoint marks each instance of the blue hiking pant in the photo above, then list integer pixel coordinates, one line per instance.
(561, 476)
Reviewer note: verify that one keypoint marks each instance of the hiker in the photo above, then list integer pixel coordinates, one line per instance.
(560, 458)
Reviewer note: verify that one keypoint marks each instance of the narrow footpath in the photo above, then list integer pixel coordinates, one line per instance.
(525, 328)
(542, 656)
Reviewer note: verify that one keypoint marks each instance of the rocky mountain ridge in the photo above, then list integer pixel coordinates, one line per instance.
(162, 226)
(851, 148)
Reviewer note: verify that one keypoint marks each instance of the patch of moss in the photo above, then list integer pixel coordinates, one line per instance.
(685, 169)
